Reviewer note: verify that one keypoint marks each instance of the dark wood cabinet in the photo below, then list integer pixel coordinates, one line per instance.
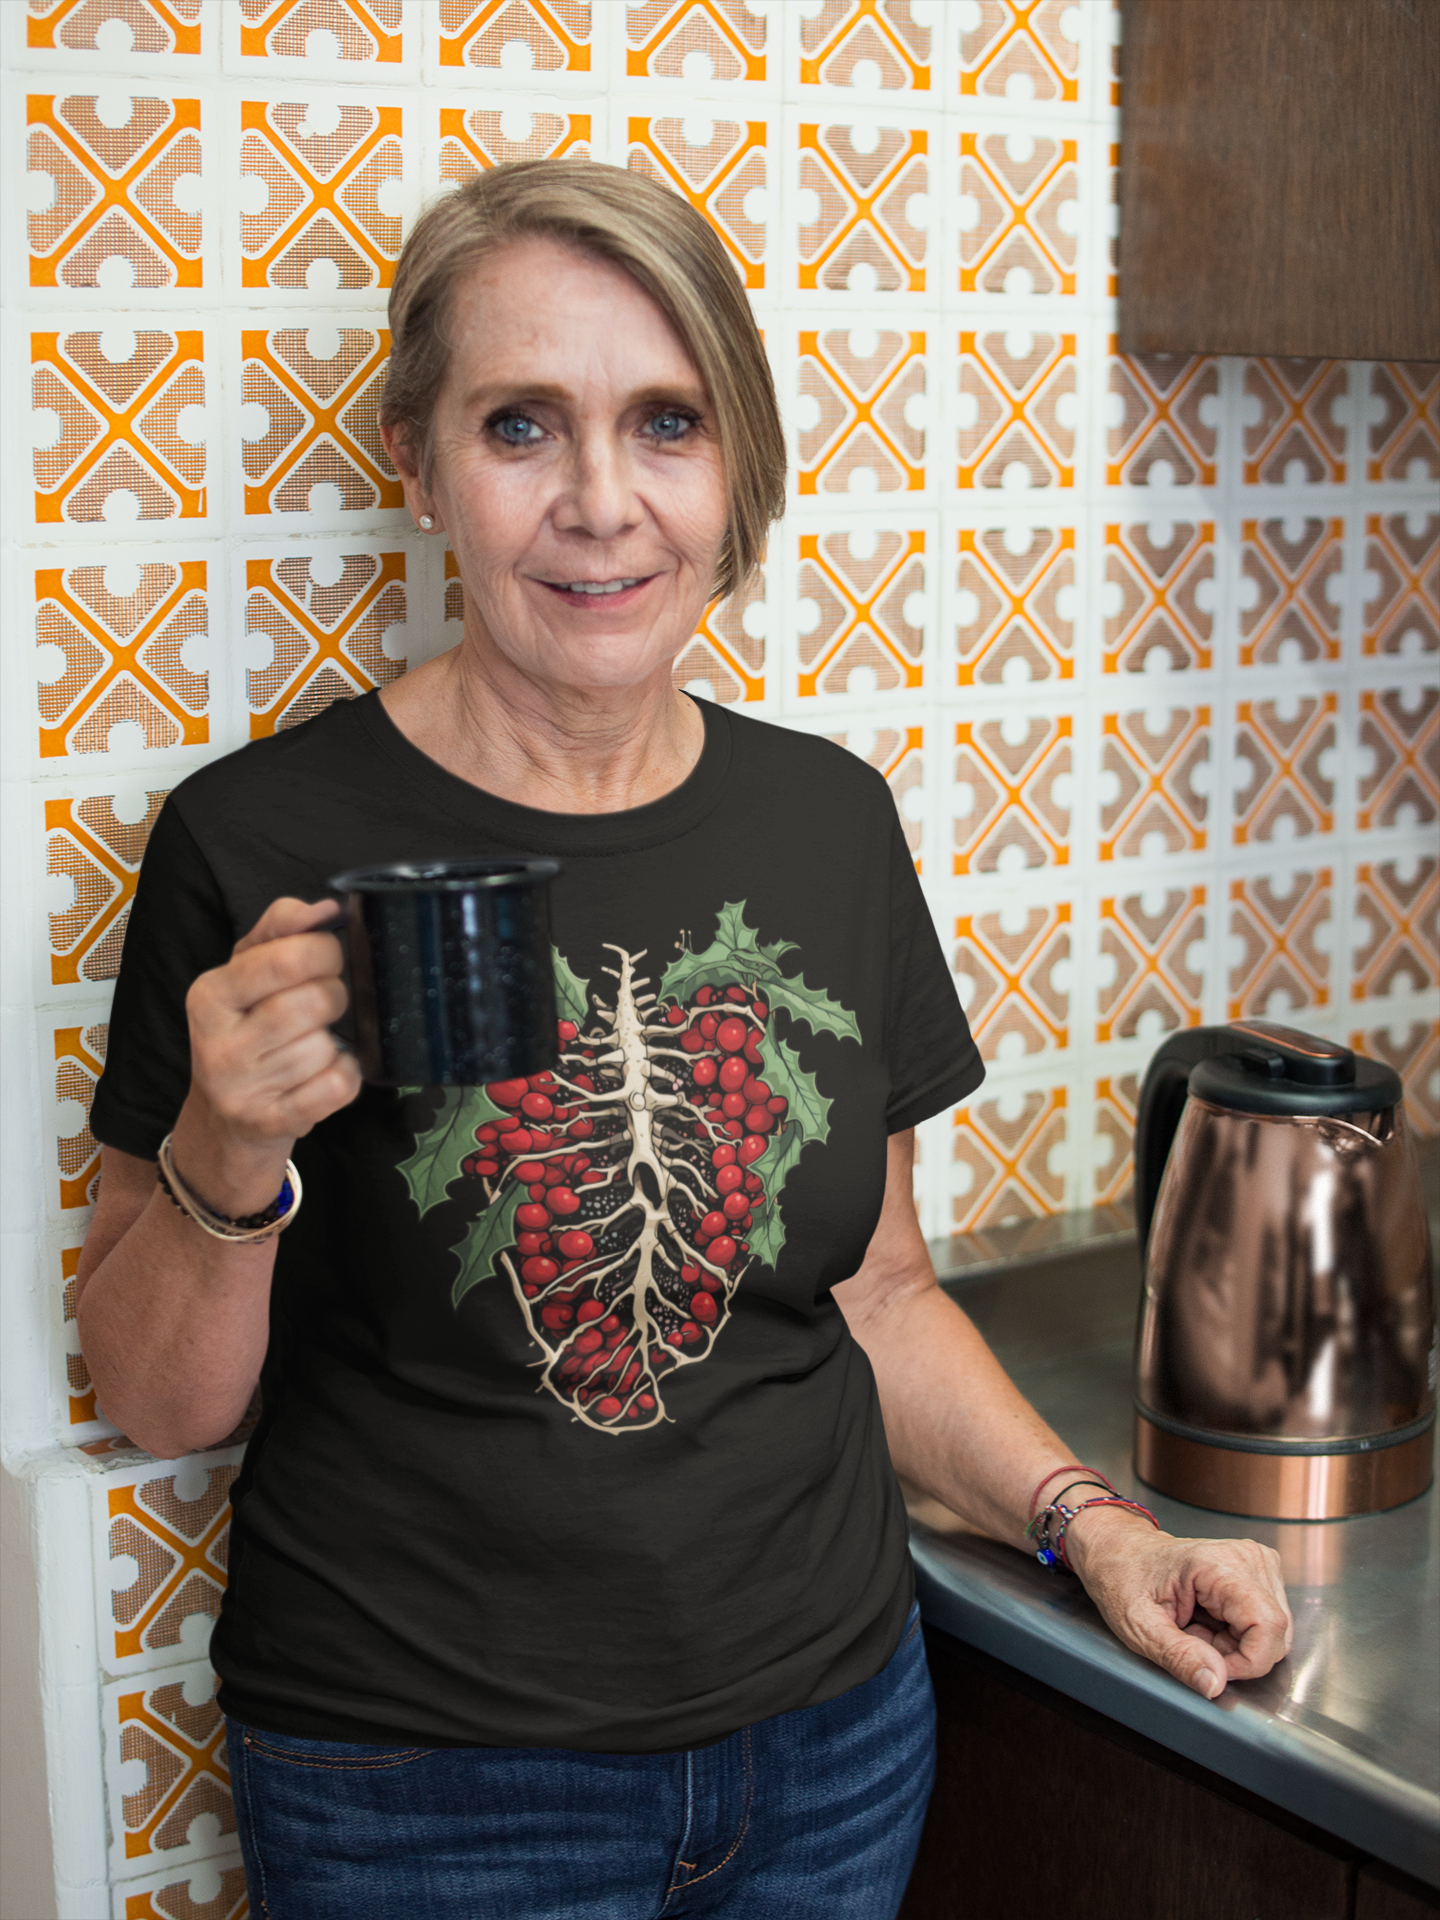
(1383, 1894)
(1043, 1806)
(1280, 178)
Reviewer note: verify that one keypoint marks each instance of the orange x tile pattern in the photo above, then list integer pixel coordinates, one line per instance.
(1284, 752)
(727, 653)
(1280, 928)
(121, 650)
(1412, 1048)
(323, 178)
(1017, 409)
(1405, 422)
(172, 1896)
(862, 230)
(79, 1396)
(1163, 408)
(1161, 586)
(1292, 576)
(724, 38)
(1032, 43)
(884, 34)
(117, 404)
(318, 401)
(1150, 962)
(472, 139)
(1154, 796)
(1294, 430)
(1012, 780)
(858, 585)
(1013, 969)
(1396, 928)
(99, 854)
(1402, 603)
(115, 192)
(179, 1547)
(865, 395)
(1117, 1096)
(183, 1748)
(1014, 607)
(723, 176)
(1018, 213)
(1003, 1154)
(79, 1062)
(358, 29)
(329, 636)
(1400, 749)
(554, 34)
(156, 26)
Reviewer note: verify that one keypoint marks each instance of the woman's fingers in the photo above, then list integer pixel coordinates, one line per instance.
(1188, 1656)
(287, 916)
(1207, 1611)
(1238, 1583)
(262, 1051)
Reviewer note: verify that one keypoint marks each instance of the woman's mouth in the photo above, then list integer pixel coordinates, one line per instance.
(609, 593)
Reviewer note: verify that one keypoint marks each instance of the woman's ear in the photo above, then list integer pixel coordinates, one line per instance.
(402, 451)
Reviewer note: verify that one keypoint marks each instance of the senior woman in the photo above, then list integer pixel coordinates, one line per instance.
(569, 1570)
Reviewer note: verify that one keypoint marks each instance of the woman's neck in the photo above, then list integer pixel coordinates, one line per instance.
(560, 749)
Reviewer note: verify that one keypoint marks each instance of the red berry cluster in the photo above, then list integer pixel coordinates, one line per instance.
(722, 1029)
(620, 1287)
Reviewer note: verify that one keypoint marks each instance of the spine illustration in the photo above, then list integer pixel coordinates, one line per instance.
(625, 1195)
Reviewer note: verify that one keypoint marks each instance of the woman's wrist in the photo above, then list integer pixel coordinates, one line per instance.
(1100, 1529)
(231, 1174)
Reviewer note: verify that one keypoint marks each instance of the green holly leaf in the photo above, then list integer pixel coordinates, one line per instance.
(435, 1163)
(783, 1073)
(736, 956)
(485, 1238)
(572, 994)
(767, 1236)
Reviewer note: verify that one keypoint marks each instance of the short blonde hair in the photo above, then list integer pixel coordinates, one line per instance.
(666, 247)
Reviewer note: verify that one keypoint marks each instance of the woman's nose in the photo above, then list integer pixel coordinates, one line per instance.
(599, 499)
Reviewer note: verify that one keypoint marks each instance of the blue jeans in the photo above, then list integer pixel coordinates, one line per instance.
(811, 1813)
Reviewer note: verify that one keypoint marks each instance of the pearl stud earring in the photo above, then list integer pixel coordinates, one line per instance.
(427, 521)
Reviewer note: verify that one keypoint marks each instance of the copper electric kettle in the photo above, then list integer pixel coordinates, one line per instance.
(1285, 1357)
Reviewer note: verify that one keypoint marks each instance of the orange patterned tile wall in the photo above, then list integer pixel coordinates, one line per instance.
(1146, 648)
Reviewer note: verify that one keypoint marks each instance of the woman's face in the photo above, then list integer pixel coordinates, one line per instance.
(576, 469)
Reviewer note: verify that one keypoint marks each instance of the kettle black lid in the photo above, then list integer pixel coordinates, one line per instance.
(1268, 1069)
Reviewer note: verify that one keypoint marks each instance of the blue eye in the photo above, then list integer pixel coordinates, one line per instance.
(515, 429)
(670, 424)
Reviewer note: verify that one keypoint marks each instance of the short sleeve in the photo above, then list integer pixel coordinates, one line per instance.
(933, 1060)
(179, 928)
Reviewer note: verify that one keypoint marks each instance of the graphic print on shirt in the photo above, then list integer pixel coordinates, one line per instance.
(626, 1195)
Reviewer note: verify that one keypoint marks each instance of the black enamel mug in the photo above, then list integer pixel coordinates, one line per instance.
(452, 981)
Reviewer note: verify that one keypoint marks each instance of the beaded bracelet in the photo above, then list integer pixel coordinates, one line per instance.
(247, 1229)
(1040, 1525)
(1052, 1553)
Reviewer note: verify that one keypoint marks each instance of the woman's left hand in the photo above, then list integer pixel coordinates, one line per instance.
(1207, 1611)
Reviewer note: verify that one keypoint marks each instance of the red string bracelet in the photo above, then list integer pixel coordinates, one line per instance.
(1072, 1466)
(1068, 1514)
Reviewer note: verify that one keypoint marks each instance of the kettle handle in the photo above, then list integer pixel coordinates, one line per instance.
(1162, 1101)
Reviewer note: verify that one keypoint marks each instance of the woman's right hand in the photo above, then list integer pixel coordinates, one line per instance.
(265, 1067)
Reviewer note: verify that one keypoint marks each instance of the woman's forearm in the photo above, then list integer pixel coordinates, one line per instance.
(172, 1323)
(957, 1426)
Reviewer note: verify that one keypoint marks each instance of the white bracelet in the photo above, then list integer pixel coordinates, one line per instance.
(248, 1229)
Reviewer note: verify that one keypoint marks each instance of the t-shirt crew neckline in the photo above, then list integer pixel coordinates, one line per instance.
(532, 828)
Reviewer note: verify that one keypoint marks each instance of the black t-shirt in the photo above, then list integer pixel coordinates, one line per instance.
(564, 1440)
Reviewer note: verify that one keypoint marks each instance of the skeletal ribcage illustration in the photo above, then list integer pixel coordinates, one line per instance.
(637, 1172)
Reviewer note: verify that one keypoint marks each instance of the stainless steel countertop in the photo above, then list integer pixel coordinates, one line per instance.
(1346, 1731)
